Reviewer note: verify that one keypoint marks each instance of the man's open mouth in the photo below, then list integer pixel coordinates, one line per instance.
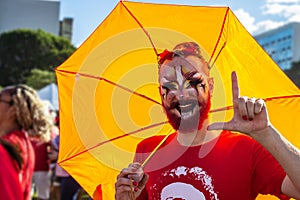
(186, 109)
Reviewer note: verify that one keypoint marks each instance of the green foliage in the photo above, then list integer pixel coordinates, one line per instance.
(23, 50)
(40, 78)
(294, 73)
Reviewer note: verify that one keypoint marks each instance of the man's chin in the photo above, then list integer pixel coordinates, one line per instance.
(190, 124)
(187, 125)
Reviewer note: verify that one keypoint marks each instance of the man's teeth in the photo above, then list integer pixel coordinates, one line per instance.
(185, 106)
(185, 110)
(186, 114)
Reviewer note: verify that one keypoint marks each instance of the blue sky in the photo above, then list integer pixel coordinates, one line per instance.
(256, 15)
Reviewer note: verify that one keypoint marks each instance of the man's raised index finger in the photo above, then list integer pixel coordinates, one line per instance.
(235, 86)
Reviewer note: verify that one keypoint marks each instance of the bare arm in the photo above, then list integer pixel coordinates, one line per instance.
(286, 154)
(251, 117)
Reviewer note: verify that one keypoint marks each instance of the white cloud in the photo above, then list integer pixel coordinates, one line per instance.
(288, 9)
(266, 25)
(246, 19)
(295, 18)
(284, 10)
(255, 27)
(282, 1)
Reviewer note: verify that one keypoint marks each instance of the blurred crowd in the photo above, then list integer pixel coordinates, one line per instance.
(29, 147)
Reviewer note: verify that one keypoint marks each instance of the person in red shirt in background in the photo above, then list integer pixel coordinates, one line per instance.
(41, 180)
(53, 155)
(22, 115)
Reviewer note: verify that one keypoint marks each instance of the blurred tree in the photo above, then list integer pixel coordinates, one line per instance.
(294, 73)
(39, 78)
(23, 50)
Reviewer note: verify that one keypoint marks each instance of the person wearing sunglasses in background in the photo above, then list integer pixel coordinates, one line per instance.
(22, 115)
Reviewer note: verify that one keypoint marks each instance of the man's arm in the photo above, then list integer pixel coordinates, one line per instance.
(251, 117)
(286, 154)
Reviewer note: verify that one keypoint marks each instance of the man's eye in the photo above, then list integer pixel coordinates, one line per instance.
(194, 83)
(169, 86)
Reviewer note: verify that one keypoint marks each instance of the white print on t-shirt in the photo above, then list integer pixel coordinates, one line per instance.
(181, 191)
(184, 191)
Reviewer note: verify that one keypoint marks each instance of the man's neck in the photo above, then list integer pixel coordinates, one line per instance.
(197, 137)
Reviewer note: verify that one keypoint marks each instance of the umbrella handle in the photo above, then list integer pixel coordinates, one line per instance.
(131, 193)
(156, 148)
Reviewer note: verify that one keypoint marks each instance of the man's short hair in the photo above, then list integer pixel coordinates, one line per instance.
(182, 50)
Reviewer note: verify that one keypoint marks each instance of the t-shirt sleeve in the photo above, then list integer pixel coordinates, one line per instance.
(139, 152)
(268, 174)
(145, 147)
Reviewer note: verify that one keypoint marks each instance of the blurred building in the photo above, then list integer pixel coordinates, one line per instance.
(33, 14)
(65, 28)
(282, 44)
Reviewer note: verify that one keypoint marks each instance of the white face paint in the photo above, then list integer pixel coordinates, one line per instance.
(181, 191)
(185, 93)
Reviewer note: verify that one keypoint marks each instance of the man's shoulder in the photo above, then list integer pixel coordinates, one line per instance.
(234, 137)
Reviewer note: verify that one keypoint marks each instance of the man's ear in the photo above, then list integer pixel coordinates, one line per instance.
(211, 85)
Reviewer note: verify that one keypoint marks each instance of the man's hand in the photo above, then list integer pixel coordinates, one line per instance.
(250, 114)
(251, 117)
(130, 182)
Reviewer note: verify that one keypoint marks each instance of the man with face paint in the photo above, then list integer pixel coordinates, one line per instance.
(185, 88)
(208, 160)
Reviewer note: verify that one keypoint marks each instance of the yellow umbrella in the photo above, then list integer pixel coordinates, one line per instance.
(108, 91)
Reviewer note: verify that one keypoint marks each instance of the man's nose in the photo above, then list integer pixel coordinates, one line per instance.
(181, 97)
(182, 94)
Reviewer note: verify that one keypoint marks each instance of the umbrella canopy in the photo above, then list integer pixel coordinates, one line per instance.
(108, 90)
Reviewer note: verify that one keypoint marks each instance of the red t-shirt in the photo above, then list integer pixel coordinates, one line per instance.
(10, 187)
(41, 151)
(21, 140)
(232, 166)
